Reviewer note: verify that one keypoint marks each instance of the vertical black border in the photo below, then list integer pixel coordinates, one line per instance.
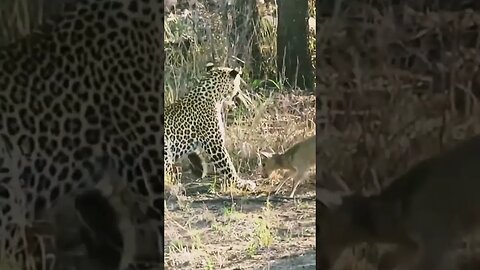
(162, 119)
(317, 126)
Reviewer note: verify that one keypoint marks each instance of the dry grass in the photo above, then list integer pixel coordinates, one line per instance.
(210, 231)
(222, 234)
(244, 236)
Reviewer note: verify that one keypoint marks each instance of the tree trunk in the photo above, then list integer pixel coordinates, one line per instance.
(293, 58)
(244, 37)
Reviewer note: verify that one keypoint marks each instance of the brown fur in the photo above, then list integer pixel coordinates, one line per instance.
(422, 212)
(297, 160)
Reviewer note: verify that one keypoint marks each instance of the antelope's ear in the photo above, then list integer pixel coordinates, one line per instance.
(321, 207)
(328, 198)
(266, 154)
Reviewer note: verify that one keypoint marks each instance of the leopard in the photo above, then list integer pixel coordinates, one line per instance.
(194, 123)
(86, 84)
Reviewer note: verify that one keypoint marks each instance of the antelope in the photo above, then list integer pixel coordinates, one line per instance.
(422, 212)
(297, 160)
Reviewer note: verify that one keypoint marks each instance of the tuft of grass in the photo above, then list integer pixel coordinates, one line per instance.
(263, 236)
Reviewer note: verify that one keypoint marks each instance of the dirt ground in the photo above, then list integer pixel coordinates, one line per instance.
(206, 229)
(251, 232)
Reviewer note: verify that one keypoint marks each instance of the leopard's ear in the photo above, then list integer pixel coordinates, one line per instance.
(209, 66)
(233, 73)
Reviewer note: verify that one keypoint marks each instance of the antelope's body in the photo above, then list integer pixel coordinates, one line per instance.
(422, 212)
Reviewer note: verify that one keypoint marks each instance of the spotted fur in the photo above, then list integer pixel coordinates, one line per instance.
(195, 122)
(88, 85)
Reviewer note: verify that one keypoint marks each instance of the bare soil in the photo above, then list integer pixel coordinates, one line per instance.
(242, 232)
(207, 229)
